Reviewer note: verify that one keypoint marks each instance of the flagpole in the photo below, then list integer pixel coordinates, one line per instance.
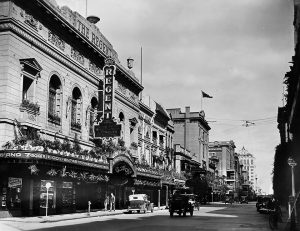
(141, 73)
(201, 100)
(86, 8)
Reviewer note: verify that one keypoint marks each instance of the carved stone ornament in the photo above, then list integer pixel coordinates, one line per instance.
(122, 89)
(29, 19)
(56, 41)
(77, 56)
(93, 68)
(109, 61)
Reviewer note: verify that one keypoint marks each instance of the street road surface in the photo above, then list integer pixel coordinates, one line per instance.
(212, 217)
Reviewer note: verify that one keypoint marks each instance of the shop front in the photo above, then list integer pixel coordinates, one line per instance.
(23, 189)
(123, 173)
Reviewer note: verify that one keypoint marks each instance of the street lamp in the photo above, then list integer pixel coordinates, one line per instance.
(48, 185)
(292, 163)
(256, 184)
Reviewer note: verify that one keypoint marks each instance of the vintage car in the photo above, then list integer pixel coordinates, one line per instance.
(244, 200)
(138, 203)
(263, 204)
(181, 203)
(228, 200)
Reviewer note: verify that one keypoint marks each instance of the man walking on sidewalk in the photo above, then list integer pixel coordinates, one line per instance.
(106, 201)
(112, 202)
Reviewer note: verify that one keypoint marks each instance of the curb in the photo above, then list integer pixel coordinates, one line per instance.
(58, 218)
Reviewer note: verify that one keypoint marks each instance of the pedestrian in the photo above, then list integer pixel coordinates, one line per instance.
(106, 201)
(112, 202)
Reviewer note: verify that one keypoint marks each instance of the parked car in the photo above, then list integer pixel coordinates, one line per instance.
(244, 200)
(263, 204)
(181, 202)
(228, 200)
(138, 203)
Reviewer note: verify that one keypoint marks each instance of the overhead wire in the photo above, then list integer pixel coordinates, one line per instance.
(243, 122)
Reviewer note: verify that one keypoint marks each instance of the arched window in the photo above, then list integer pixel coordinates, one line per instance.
(121, 117)
(122, 121)
(54, 102)
(76, 109)
(93, 113)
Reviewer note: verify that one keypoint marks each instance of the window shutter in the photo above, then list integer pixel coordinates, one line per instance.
(58, 102)
(78, 111)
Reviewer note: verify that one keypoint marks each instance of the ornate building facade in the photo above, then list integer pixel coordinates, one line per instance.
(61, 80)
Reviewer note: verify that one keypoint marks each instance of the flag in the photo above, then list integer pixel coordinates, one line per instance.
(204, 95)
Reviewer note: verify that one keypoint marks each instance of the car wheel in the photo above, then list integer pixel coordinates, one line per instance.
(171, 213)
(192, 212)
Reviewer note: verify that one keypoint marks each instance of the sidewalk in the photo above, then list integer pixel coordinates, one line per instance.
(71, 216)
(285, 225)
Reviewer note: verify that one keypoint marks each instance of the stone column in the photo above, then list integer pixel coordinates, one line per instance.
(167, 196)
(30, 197)
(158, 203)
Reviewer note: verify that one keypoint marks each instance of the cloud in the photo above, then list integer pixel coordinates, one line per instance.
(237, 51)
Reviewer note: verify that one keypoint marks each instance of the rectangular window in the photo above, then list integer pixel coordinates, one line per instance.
(52, 101)
(73, 111)
(28, 89)
(92, 118)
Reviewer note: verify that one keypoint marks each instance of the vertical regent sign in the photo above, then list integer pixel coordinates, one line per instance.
(108, 127)
(109, 75)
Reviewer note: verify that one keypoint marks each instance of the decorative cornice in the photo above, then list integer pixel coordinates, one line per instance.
(35, 39)
(129, 102)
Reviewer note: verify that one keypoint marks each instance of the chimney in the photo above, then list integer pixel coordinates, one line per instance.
(187, 111)
(93, 19)
(130, 63)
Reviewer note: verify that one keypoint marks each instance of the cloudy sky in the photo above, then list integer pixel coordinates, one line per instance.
(235, 50)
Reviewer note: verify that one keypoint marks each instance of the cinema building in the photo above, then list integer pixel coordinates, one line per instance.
(70, 115)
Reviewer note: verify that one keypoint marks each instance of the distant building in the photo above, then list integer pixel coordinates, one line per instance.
(249, 165)
(224, 152)
(192, 132)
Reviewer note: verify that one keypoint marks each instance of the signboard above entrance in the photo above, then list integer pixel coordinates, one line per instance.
(108, 128)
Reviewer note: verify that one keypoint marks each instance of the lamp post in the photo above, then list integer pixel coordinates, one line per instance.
(48, 185)
(256, 184)
(292, 211)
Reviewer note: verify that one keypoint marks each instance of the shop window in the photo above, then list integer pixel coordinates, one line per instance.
(54, 102)
(76, 109)
(43, 194)
(11, 197)
(67, 194)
